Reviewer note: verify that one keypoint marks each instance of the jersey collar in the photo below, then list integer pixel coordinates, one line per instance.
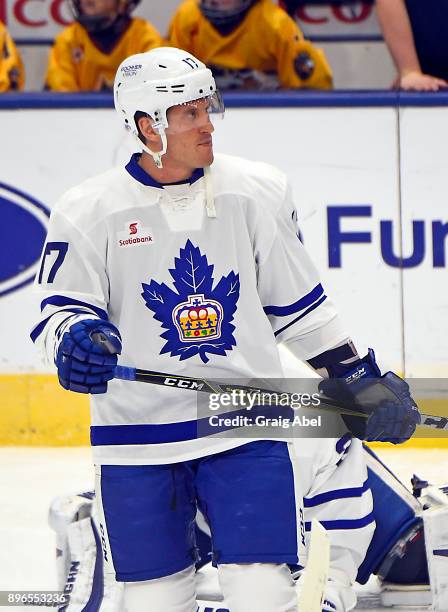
(137, 172)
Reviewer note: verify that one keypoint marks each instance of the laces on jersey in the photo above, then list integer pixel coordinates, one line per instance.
(185, 201)
(209, 199)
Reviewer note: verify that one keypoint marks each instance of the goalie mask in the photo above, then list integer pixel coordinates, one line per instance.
(153, 82)
(94, 23)
(225, 12)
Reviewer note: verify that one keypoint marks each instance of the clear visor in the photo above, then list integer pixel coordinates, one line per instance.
(197, 114)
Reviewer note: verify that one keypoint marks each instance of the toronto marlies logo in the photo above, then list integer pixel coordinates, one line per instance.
(198, 317)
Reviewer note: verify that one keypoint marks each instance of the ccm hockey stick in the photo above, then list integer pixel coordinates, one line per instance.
(210, 386)
(315, 574)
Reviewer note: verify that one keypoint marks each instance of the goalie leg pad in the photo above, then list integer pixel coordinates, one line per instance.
(87, 587)
(63, 511)
(435, 521)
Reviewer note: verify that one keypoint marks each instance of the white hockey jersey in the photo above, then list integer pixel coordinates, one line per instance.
(191, 295)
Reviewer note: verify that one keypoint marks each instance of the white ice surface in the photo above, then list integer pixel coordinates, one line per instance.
(31, 477)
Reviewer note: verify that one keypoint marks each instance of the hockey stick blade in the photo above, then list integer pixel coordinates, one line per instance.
(315, 574)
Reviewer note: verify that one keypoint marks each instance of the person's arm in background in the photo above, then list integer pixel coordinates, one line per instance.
(12, 74)
(396, 27)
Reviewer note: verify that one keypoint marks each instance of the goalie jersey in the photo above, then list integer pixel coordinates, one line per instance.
(191, 295)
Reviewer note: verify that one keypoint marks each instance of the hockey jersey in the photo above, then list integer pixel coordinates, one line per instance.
(191, 295)
(76, 64)
(266, 51)
(12, 73)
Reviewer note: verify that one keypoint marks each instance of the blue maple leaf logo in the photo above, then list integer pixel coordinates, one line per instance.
(197, 317)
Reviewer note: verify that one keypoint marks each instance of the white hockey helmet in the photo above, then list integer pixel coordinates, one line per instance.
(154, 81)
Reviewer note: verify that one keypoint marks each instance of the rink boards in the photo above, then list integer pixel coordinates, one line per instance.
(368, 173)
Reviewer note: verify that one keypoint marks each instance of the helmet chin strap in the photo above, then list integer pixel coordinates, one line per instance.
(157, 157)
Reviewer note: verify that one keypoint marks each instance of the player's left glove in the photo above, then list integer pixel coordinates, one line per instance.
(393, 414)
(85, 365)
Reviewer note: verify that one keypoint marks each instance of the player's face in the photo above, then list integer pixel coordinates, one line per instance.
(189, 135)
(93, 8)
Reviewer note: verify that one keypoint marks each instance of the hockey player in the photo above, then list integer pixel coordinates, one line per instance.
(249, 44)
(140, 255)
(85, 55)
(12, 74)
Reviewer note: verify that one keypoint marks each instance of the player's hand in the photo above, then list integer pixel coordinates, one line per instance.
(393, 414)
(417, 81)
(85, 366)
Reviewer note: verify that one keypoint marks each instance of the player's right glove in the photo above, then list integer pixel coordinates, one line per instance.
(85, 366)
(392, 413)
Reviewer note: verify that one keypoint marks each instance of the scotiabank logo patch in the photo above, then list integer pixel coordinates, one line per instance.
(135, 234)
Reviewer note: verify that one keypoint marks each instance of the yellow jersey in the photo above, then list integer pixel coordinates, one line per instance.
(76, 64)
(266, 50)
(12, 73)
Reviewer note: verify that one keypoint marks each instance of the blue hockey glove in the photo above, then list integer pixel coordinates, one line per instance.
(393, 414)
(84, 365)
